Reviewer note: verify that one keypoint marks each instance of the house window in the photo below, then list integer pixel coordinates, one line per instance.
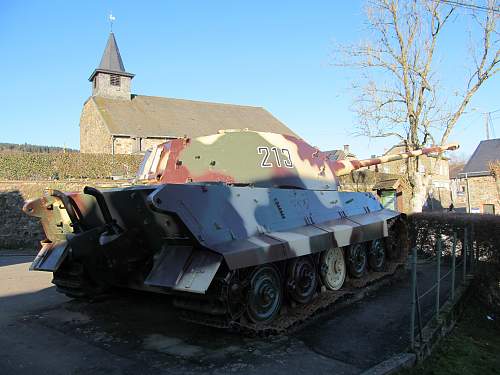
(461, 190)
(95, 82)
(489, 209)
(114, 80)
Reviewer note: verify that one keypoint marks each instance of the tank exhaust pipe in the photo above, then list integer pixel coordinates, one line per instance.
(108, 219)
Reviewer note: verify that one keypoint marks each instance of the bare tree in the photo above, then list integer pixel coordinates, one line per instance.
(399, 93)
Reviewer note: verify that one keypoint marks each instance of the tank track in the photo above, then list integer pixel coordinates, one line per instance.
(293, 316)
(72, 281)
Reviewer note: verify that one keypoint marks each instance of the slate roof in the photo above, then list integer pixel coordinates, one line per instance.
(487, 151)
(391, 184)
(339, 155)
(335, 154)
(152, 116)
(111, 60)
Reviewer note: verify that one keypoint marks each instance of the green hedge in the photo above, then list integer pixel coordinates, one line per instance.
(35, 166)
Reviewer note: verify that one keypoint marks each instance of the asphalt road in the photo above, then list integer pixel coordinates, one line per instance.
(44, 332)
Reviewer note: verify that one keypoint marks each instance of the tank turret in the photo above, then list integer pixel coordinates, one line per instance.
(255, 158)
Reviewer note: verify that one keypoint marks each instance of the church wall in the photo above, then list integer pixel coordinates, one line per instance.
(125, 145)
(102, 87)
(147, 143)
(94, 135)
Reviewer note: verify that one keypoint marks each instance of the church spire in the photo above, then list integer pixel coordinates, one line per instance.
(111, 60)
(110, 78)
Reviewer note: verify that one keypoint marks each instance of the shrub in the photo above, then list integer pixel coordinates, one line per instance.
(40, 166)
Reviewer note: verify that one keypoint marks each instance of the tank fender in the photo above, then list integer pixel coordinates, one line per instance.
(184, 269)
(50, 256)
(309, 239)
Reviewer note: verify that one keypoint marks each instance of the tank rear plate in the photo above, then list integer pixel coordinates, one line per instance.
(184, 269)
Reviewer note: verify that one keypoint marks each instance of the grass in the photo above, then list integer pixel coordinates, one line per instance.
(472, 348)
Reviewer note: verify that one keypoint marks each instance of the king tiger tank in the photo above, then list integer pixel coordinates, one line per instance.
(243, 229)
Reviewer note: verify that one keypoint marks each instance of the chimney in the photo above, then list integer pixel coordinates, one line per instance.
(346, 149)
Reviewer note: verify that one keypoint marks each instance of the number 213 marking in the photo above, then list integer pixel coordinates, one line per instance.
(281, 157)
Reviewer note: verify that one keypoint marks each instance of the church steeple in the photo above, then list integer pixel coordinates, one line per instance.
(110, 79)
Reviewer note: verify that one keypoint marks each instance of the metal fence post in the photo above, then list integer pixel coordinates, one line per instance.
(453, 262)
(413, 287)
(477, 246)
(464, 254)
(472, 250)
(438, 274)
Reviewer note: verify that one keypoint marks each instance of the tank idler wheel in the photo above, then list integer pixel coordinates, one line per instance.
(302, 279)
(357, 260)
(265, 294)
(376, 257)
(333, 268)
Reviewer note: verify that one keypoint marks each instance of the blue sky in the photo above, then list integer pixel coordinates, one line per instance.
(271, 54)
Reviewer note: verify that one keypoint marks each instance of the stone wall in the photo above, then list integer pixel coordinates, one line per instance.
(482, 190)
(147, 143)
(123, 145)
(94, 135)
(18, 230)
(366, 180)
(101, 86)
(427, 165)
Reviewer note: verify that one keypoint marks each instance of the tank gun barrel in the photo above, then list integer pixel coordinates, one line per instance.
(344, 167)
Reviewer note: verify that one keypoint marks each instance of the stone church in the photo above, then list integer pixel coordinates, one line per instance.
(115, 121)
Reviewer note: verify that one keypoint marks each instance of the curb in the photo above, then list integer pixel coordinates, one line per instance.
(393, 364)
(19, 252)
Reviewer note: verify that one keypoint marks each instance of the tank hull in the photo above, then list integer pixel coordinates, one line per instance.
(190, 240)
(245, 229)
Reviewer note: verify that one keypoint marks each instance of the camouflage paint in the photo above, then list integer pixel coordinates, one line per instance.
(241, 197)
(256, 158)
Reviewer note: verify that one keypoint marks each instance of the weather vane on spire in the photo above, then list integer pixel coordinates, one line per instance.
(111, 20)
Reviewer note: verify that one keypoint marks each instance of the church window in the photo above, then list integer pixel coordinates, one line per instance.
(114, 80)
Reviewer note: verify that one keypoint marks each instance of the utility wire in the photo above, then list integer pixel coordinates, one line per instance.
(471, 6)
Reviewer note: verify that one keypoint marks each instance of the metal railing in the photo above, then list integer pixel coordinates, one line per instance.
(465, 265)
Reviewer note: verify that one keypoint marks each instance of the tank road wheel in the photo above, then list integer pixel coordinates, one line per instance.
(302, 279)
(357, 260)
(376, 257)
(264, 295)
(333, 268)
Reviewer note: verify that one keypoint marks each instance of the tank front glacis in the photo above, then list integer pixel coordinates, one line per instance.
(235, 225)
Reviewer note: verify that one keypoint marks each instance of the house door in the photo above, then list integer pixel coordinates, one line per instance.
(388, 199)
